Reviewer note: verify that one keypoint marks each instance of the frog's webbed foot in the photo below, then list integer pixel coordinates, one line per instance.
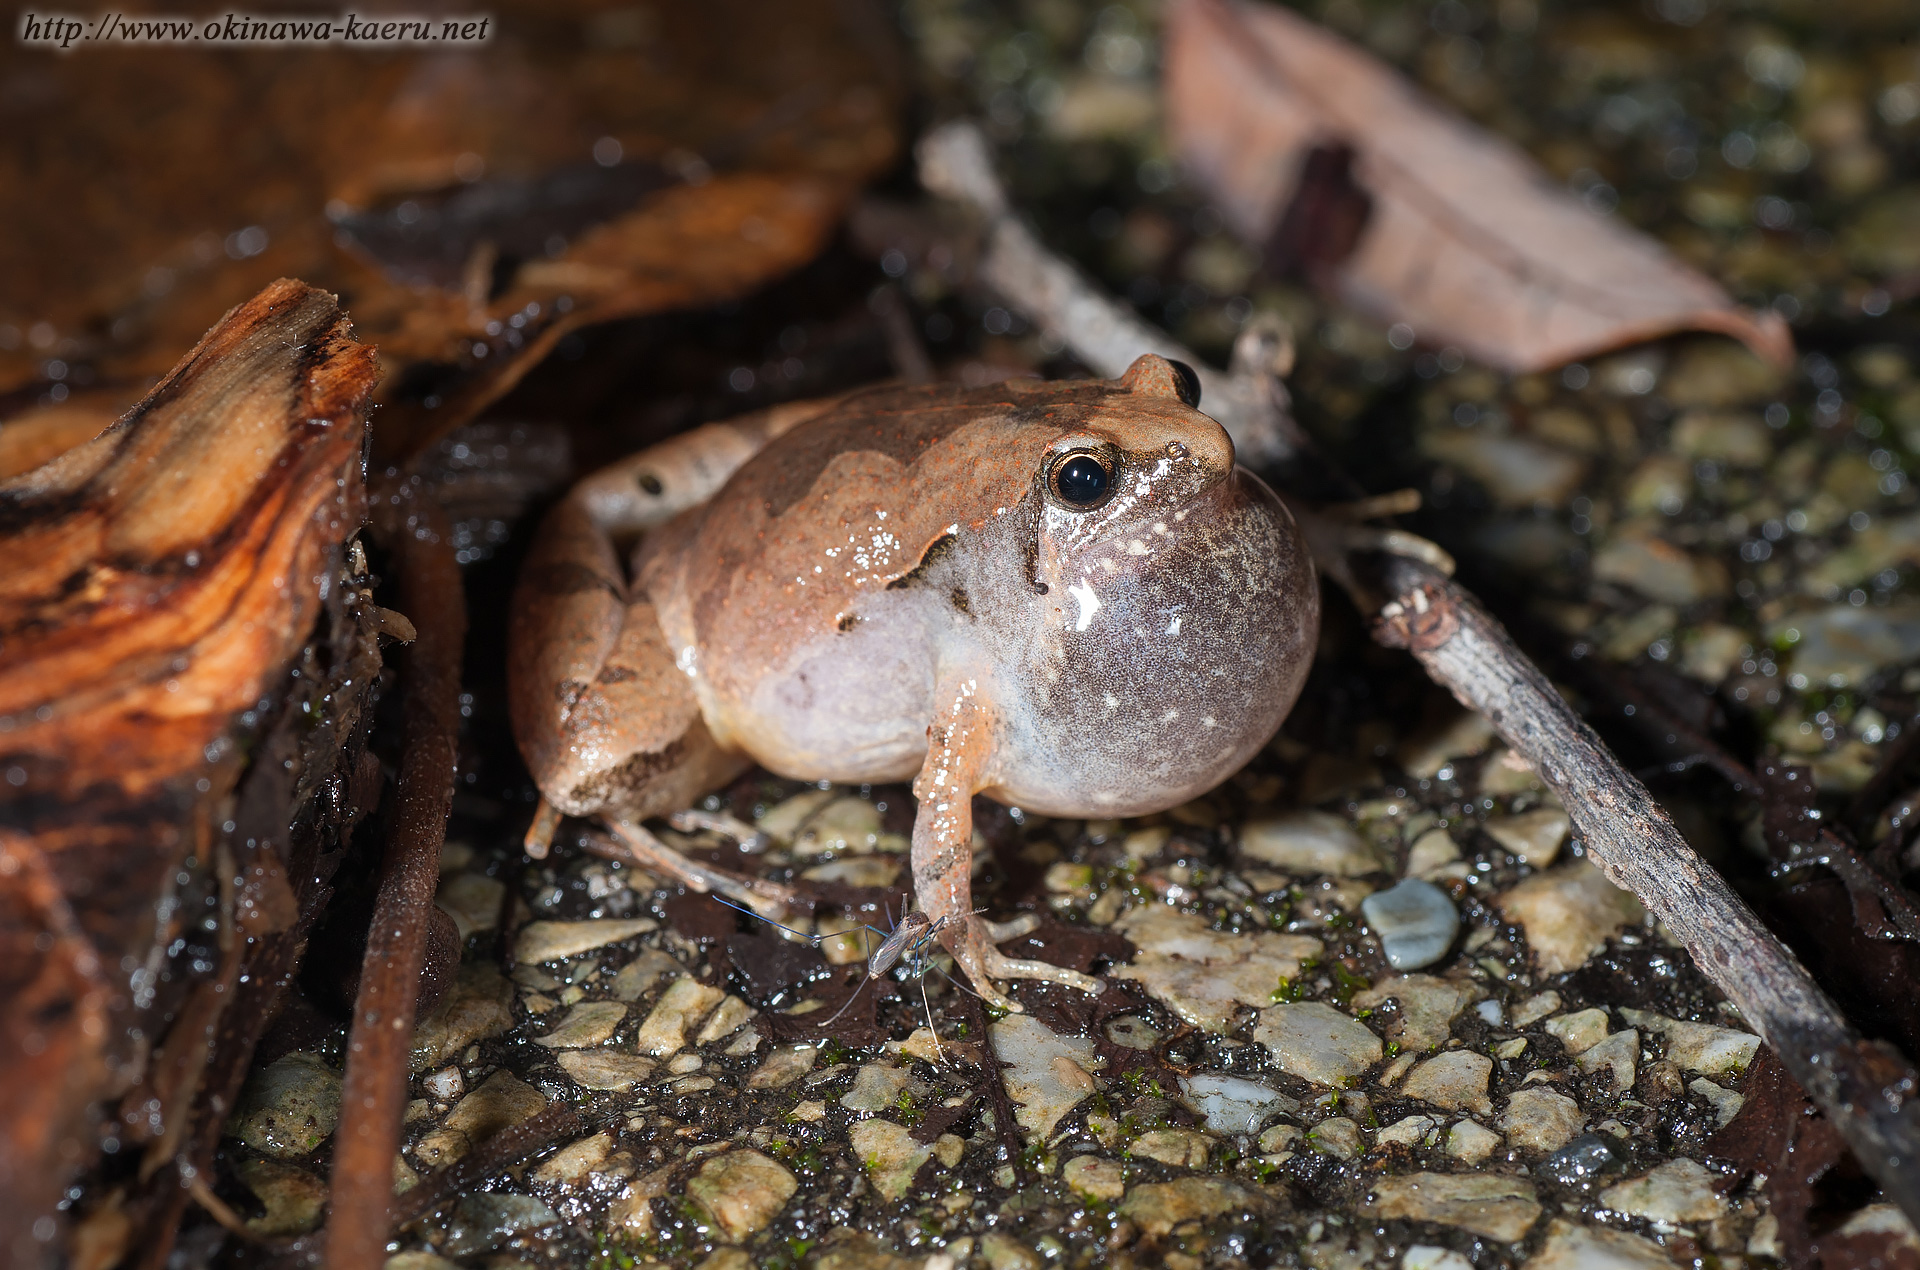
(974, 951)
(769, 899)
(959, 758)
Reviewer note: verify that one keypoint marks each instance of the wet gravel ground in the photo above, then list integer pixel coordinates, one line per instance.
(1279, 1071)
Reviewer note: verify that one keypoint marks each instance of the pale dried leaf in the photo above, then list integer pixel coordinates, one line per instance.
(1319, 152)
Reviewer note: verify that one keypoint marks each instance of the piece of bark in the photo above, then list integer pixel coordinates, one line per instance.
(160, 579)
(34, 434)
(474, 204)
(1866, 1089)
(1335, 164)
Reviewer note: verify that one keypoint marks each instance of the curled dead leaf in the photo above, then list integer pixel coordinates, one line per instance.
(1342, 170)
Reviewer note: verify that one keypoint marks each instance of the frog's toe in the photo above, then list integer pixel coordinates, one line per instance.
(984, 963)
(769, 899)
(1013, 928)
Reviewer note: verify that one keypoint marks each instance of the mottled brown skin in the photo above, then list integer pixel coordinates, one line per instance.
(893, 586)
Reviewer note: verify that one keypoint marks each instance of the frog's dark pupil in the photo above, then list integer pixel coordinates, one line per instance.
(1081, 480)
(1187, 383)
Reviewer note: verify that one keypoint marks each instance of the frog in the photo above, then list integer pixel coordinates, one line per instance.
(1065, 596)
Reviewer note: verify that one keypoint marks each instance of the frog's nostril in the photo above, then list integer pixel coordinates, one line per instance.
(649, 482)
(1176, 450)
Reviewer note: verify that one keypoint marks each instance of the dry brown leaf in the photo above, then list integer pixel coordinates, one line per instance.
(455, 200)
(161, 577)
(1336, 164)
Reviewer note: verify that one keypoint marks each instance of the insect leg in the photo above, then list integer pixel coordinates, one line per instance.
(928, 1004)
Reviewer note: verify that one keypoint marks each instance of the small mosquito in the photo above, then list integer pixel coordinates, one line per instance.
(909, 945)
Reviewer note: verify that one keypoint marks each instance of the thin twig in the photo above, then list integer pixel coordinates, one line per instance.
(904, 348)
(1865, 1088)
(1248, 400)
(502, 1151)
(411, 526)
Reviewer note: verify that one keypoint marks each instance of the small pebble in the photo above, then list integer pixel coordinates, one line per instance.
(743, 1191)
(1541, 1120)
(1580, 1161)
(1415, 921)
(446, 1084)
(1500, 1208)
(1678, 1191)
(1568, 913)
(483, 1222)
(890, 1154)
(552, 941)
(1096, 1178)
(1429, 1257)
(1412, 1131)
(288, 1107)
(1233, 1104)
(1533, 837)
(1471, 1143)
(1535, 1008)
(1309, 842)
(1571, 1247)
(1046, 1074)
(1427, 1008)
(1316, 1042)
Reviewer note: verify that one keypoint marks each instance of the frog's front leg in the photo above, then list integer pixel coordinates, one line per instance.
(959, 758)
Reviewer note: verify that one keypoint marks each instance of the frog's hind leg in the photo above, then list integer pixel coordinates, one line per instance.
(604, 716)
(606, 720)
(959, 755)
(768, 899)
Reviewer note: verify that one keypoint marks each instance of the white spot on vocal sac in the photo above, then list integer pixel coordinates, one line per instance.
(1173, 627)
(1089, 603)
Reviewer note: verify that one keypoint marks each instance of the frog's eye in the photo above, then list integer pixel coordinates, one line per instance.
(1081, 481)
(1186, 383)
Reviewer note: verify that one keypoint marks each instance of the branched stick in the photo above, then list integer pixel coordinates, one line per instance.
(1865, 1088)
(1249, 400)
(411, 525)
